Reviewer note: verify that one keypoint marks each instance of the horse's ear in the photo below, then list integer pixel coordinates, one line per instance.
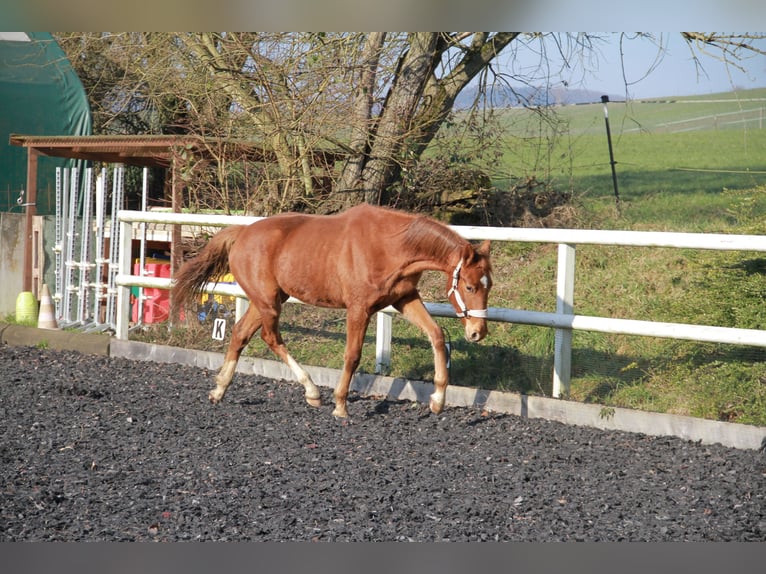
(471, 253)
(467, 255)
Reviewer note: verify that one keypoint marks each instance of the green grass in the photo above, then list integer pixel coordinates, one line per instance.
(671, 179)
(673, 160)
(11, 319)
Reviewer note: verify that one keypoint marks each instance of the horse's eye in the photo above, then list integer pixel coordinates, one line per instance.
(470, 288)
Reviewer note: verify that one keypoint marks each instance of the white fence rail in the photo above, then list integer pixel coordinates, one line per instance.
(564, 320)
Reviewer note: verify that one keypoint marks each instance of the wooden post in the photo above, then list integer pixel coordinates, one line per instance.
(30, 204)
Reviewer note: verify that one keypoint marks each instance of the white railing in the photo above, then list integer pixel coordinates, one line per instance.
(564, 320)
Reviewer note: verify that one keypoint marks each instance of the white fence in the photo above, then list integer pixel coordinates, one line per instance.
(564, 320)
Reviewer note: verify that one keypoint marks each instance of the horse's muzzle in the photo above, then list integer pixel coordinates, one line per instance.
(475, 330)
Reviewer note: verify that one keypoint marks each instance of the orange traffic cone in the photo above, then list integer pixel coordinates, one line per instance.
(47, 317)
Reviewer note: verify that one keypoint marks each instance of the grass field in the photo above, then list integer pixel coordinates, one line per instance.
(660, 158)
(696, 164)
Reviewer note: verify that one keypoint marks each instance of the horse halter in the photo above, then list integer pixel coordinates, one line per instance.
(464, 311)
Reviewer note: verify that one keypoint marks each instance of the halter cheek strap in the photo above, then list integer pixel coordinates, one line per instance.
(464, 311)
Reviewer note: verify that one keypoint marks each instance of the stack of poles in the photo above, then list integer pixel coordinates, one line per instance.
(66, 203)
(89, 284)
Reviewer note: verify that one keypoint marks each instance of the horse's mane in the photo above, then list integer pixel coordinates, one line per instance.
(429, 237)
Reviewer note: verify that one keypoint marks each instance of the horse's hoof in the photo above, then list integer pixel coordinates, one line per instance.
(340, 414)
(435, 407)
(314, 402)
(213, 398)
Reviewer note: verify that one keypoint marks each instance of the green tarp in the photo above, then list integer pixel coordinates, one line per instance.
(40, 94)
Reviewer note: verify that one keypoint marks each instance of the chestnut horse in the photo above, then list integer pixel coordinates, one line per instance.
(363, 260)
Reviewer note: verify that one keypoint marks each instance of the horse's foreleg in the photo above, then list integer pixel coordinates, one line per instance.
(414, 311)
(356, 328)
(241, 334)
(271, 336)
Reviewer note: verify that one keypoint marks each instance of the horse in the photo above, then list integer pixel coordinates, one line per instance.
(362, 260)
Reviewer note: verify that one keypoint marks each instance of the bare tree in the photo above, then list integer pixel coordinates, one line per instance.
(380, 98)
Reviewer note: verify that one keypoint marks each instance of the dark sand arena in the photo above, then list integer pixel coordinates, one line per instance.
(97, 448)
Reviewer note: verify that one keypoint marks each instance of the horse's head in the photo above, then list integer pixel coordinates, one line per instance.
(468, 290)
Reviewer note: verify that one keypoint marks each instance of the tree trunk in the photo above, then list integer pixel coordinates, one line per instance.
(395, 122)
(415, 107)
(361, 121)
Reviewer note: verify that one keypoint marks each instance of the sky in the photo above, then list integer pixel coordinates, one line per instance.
(674, 74)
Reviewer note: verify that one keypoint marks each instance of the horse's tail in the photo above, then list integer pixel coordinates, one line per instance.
(212, 262)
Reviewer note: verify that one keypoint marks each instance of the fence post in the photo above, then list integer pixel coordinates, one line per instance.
(383, 343)
(122, 311)
(562, 358)
(240, 307)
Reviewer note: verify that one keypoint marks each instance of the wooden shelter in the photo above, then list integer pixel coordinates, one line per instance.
(162, 151)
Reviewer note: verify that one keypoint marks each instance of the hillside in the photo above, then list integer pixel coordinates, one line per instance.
(731, 110)
(526, 96)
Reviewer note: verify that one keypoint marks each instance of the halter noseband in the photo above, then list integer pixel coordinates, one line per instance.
(464, 311)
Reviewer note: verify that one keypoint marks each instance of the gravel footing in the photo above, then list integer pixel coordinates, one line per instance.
(98, 448)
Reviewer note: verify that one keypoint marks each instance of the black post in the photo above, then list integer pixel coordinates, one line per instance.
(604, 100)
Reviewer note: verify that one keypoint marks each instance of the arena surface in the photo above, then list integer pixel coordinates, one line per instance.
(97, 448)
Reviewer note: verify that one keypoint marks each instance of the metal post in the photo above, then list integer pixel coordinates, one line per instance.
(58, 247)
(85, 237)
(562, 359)
(114, 242)
(71, 237)
(99, 259)
(612, 162)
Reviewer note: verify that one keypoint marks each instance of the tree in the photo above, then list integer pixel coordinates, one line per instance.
(380, 98)
(347, 83)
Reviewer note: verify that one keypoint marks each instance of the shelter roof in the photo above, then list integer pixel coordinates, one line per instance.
(152, 150)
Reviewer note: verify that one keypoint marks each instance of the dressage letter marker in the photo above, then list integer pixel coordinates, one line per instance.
(219, 329)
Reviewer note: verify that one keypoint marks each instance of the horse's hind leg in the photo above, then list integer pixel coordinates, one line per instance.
(271, 336)
(241, 334)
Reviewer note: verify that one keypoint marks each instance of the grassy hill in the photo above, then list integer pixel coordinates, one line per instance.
(674, 157)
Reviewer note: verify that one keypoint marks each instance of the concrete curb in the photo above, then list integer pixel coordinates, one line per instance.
(733, 435)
